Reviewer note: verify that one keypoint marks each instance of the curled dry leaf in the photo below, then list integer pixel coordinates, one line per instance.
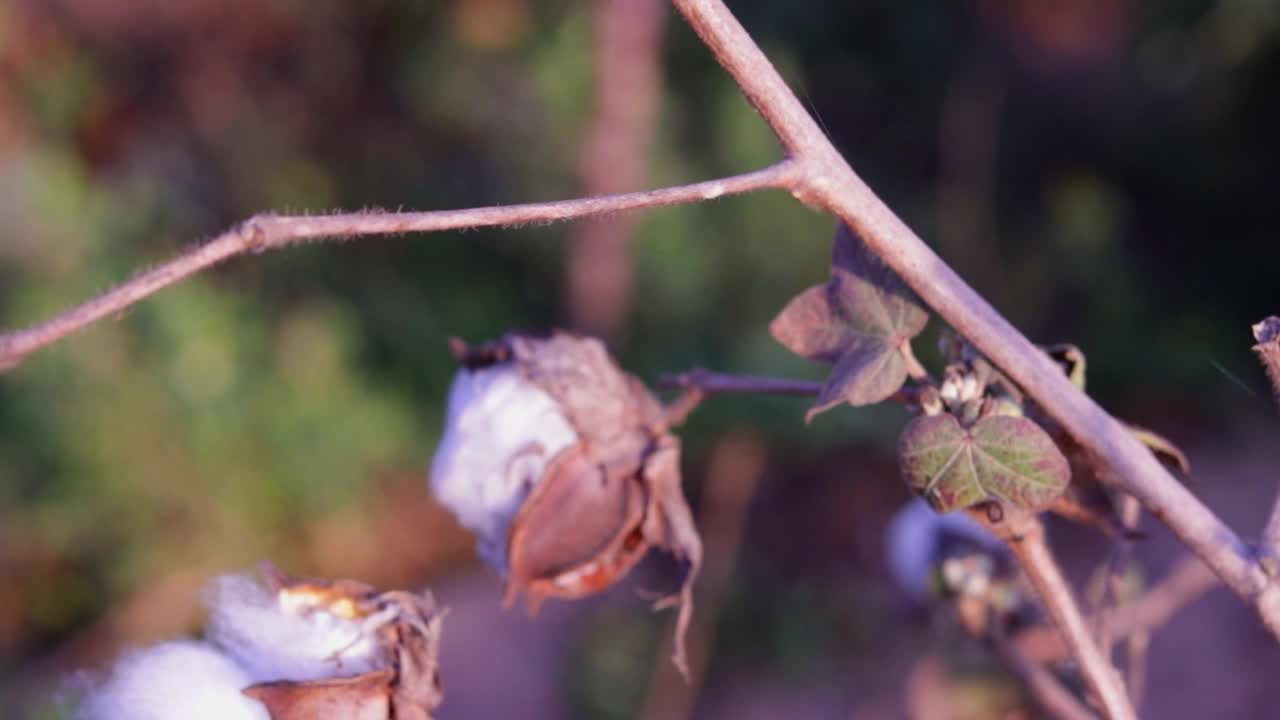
(597, 503)
(857, 320)
(406, 627)
(1072, 361)
(1000, 457)
(1162, 447)
(1267, 333)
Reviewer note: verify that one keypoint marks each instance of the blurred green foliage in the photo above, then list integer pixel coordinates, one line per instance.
(1122, 202)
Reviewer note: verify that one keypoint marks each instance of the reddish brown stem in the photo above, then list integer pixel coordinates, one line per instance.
(1187, 582)
(1024, 534)
(267, 232)
(713, 382)
(1056, 699)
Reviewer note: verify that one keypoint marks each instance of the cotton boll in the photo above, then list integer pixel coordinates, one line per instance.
(919, 539)
(272, 641)
(173, 681)
(501, 432)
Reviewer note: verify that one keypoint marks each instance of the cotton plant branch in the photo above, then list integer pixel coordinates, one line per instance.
(1188, 581)
(1115, 572)
(1043, 684)
(817, 175)
(987, 622)
(713, 383)
(986, 626)
(1023, 533)
(826, 181)
(269, 232)
(708, 382)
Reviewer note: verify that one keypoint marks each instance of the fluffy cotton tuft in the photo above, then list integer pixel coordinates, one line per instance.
(273, 642)
(187, 680)
(915, 541)
(500, 434)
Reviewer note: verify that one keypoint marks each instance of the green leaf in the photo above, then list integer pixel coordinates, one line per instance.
(1010, 459)
(857, 320)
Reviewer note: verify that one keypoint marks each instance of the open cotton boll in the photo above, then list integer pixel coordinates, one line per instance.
(272, 640)
(918, 539)
(501, 432)
(173, 681)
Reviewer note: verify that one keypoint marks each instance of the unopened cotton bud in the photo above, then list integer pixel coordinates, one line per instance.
(187, 680)
(501, 432)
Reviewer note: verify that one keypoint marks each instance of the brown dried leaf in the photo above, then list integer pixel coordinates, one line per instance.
(669, 524)
(417, 689)
(1267, 333)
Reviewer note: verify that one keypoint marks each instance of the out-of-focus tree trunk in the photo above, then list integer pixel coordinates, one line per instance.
(615, 158)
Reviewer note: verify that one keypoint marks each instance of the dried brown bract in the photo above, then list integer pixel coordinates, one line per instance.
(406, 630)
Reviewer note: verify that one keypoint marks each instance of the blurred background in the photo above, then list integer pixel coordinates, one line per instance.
(1103, 171)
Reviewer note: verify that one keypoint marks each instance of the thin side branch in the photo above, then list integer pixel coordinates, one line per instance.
(1043, 684)
(984, 624)
(1117, 567)
(268, 232)
(829, 183)
(713, 382)
(1187, 582)
(1024, 534)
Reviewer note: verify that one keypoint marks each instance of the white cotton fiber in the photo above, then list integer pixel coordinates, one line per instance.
(501, 432)
(173, 681)
(273, 643)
